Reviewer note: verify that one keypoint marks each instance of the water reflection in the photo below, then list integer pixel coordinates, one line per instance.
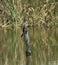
(43, 45)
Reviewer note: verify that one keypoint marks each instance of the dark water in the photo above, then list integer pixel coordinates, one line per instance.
(43, 44)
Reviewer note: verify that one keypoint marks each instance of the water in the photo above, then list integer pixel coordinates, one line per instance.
(43, 44)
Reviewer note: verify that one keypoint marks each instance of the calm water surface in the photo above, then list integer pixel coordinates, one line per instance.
(43, 44)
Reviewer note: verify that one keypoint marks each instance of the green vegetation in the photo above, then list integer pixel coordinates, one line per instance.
(37, 12)
(42, 18)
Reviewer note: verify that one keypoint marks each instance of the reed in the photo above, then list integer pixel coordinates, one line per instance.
(42, 18)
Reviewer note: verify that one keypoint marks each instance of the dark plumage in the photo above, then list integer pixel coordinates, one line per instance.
(26, 39)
